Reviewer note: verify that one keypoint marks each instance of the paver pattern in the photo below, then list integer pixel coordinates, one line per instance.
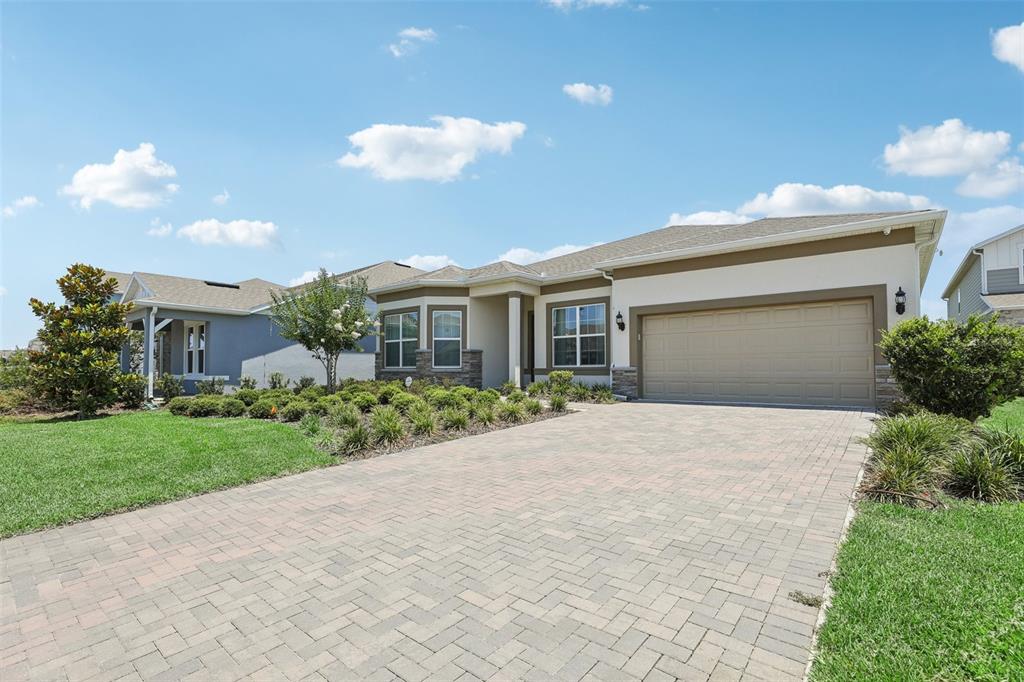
(637, 541)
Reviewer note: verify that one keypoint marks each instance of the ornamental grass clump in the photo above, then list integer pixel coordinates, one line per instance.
(982, 474)
(364, 401)
(533, 406)
(310, 424)
(902, 474)
(454, 419)
(386, 426)
(423, 419)
(934, 436)
(344, 416)
(1008, 444)
(355, 439)
(511, 412)
(557, 402)
(484, 414)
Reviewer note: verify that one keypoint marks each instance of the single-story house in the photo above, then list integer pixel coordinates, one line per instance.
(776, 311)
(990, 279)
(203, 329)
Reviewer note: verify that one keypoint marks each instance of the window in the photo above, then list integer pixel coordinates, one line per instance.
(195, 348)
(447, 331)
(401, 336)
(1020, 264)
(578, 336)
(958, 300)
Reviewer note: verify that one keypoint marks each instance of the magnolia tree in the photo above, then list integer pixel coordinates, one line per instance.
(326, 317)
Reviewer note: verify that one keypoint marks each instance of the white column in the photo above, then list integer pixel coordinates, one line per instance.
(515, 339)
(148, 331)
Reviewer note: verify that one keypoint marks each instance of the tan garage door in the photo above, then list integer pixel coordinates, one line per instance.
(800, 354)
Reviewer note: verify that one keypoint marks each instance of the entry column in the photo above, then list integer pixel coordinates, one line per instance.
(515, 337)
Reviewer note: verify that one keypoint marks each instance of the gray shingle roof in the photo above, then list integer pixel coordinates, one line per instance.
(376, 275)
(122, 279)
(187, 291)
(1000, 301)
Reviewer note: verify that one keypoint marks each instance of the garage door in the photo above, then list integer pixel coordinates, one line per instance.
(801, 354)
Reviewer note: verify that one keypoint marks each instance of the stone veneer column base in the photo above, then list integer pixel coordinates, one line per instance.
(470, 374)
(624, 382)
(887, 391)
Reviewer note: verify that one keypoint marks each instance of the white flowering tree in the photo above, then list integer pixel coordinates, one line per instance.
(326, 317)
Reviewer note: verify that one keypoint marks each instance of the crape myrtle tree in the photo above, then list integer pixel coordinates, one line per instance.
(79, 365)
(326, 317)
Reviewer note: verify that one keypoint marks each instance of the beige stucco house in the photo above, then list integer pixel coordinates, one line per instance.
(990, 279)
(775, 311)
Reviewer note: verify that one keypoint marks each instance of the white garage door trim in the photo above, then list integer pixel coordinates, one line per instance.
(811, 353)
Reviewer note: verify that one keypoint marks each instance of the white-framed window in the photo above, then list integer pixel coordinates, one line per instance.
(958, 300)
(195, 348)
(446, 328)
(578, 336)
(401, 336)
(1020, 264)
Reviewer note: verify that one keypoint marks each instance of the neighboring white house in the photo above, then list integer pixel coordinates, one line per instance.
(774, 311)
(990, 279)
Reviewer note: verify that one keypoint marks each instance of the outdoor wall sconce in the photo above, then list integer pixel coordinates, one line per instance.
(901, 301)
(619, 323)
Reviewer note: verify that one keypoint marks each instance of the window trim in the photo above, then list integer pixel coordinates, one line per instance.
(399, 312)
(1020, 264)
(434, 310)
(577, 303)
(195, 325)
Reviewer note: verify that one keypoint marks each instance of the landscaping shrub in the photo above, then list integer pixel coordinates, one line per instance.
(560, 378)
(310, 424)
(404, 401)
(279, 397)
(484, 414)
(295, 410)
(303, 383)
(343, 416)
(964, 369)
(981, 474)
(454, 419)
(508, 387)
(1007, 444)
(579, 392)
(231, 407)
(312, 393)
(170, 386)
(355, 439)
(325, 441)
(933, 436)
(316, 407)
(389, 391)
(364, 401)
(487, 397)
(386, 425)
(247, 395)
(263, 409)
(511, 412)
(602, 394)
(204, 406)
(557, 403)
(277, 380)
(212, 386)
(12, 399)
(901, 473)
(247, 383)
(465, 392)
(516, 396)
(131, 390)
(15, 370)
(424, 420)
(179, 405)
(533, 406)
(537, 388)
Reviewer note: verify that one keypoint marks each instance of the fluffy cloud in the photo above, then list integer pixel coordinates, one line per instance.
(21, 204)
(159, 229)
(966, 229)
(794, 198)
(3, 291)
(428, 262)
(439, 153)
(307, 276)
(221, 199)
(951, 148)
(524, 256)
(708, 218)
(1002, 179)
(410, 39)
(234, 233)
(135, 179)
(1008, 45)
(585, 93)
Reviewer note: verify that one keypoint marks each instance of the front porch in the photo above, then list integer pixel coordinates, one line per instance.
(172, 343)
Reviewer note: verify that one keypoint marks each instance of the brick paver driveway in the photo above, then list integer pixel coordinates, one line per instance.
(627, 541)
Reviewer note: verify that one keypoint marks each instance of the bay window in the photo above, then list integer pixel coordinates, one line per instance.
(401, 337)
(578, 335)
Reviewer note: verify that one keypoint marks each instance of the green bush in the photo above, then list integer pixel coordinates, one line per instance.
(355, 439)
(560, 377)
(364, 401)
(12, 399)
(602, 393)
(246, 383)
(247, 395)
(467, 393)
(580, 392)
(424, 420)
(388, 391)
(533, 406)
(454, 419)
(489, 396)
(1008, 445)
(934, 436)
(509, 386)
(310, 424)
(212, 386)
(204, 406)
(404, 401)
(170, 386)
(263, 409)
(277, 380)
(484, 414)
(511, 412)
(231, 407)
(900, 472)
(179, 405)
(131, 390)
(303, 383)
(537, 388)
(557, 402)
(343, 416)
(386, 425)
(981, 474)
(516, 396)
(963, 369)
(15, 370)
(295, 410)
(312, 393)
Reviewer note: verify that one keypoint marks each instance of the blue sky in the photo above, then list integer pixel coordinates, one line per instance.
(338, 135)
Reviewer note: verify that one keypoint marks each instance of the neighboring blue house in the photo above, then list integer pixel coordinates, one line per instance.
(203, 329)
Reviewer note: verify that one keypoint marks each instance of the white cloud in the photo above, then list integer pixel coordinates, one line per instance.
(794, 198)
(951, 148)
(20, 204)
(1006, 177)
(234, 233)
(965, 229)
(307, 276)
(221, 199)
(135, 179)
(524, 256)
(410, 40)
(708, 218)
(3, 291)
(439, 153)
(159, 229)
(1008, 45)
(428, 262)
(589, 94)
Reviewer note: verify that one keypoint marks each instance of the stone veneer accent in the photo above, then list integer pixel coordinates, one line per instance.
(470, 374)
(887, 391)
(624, 382)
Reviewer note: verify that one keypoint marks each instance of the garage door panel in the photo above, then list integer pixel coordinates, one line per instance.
(815, 354)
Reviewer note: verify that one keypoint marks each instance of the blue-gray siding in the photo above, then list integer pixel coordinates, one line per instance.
(970, 295)
(1004, 281)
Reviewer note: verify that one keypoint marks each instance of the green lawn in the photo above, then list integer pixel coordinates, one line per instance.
(1009, 414)
(52, 473)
